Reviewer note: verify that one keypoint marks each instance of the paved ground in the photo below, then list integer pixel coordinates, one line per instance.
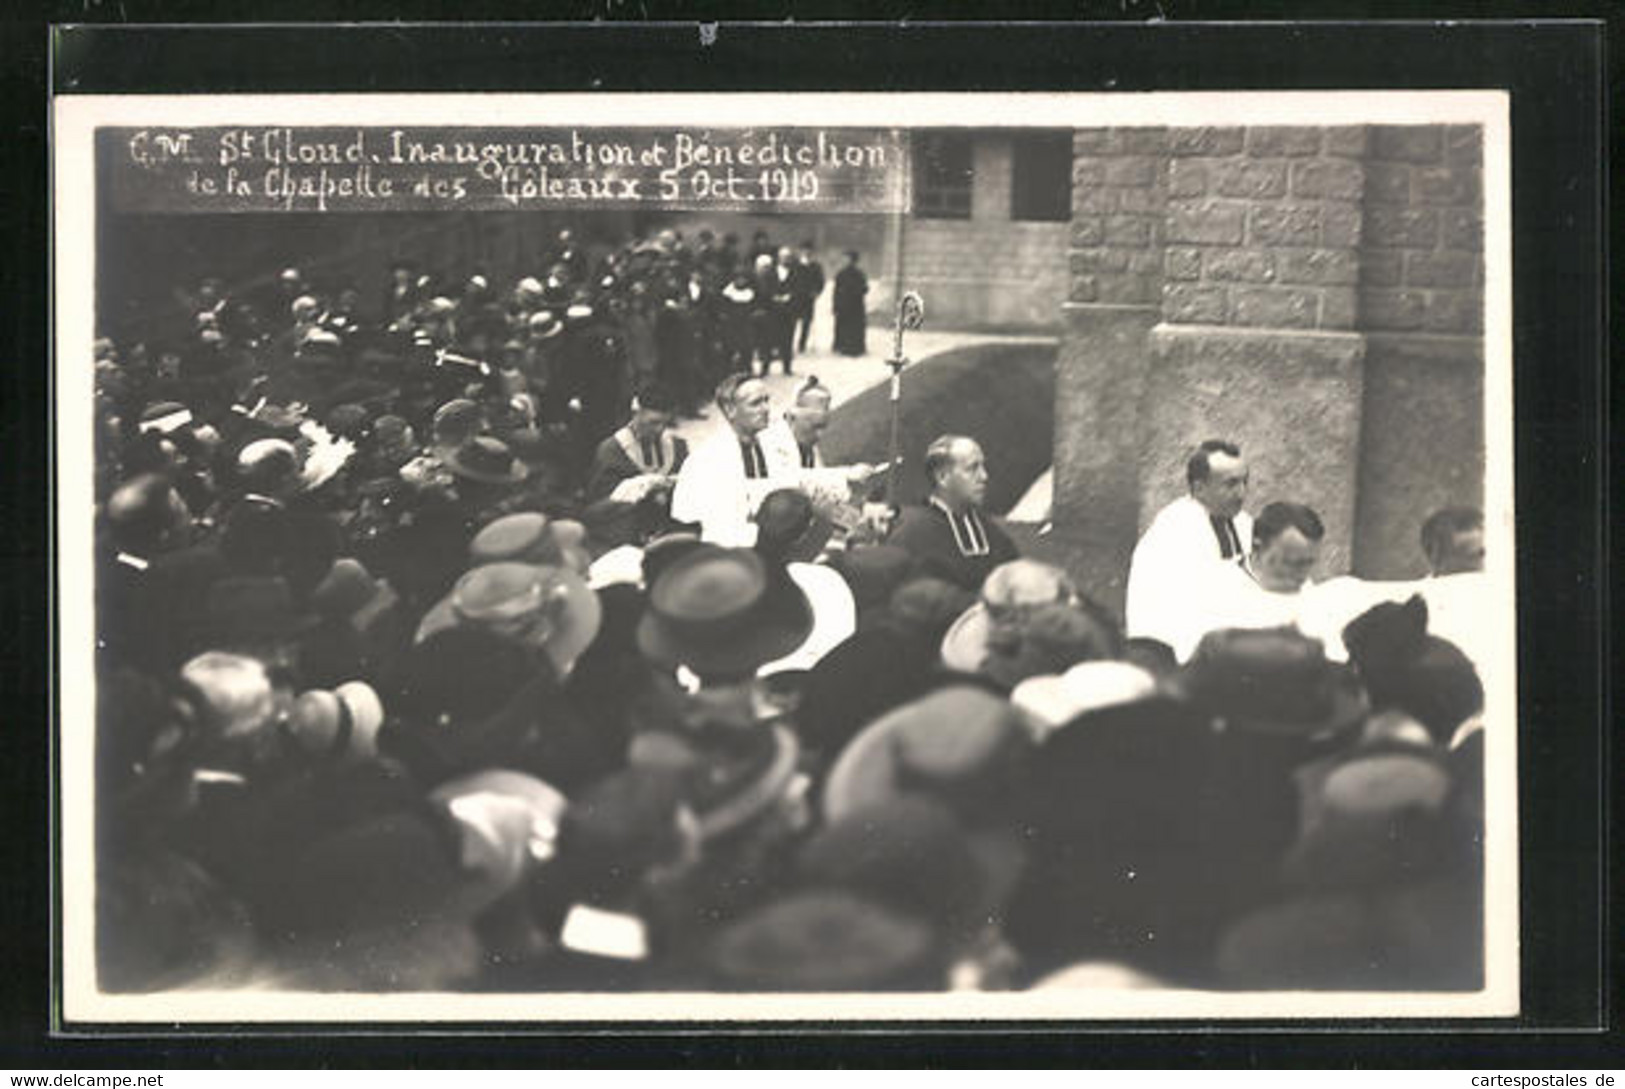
(847, 377)
(1034, 506)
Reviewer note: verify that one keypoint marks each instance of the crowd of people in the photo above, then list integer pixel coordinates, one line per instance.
(430, 658)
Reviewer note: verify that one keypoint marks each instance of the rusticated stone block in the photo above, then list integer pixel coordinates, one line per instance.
(1128, 231)
(1145, 141)
(1214, 222)
(1392, 310)
(1130, 289)
(1094, 141)
(1347, 141)
(1382, 268)
(1088, 172)
(1088, 231)
(1098, 260)
(1137, 171)
(1274, 307)
(1440, 268)
(1336, 179)
(1461, 228)
(1183, 263)
(1187, 178)
(1255, 179)
(1446, 184)
(1094, 201)
(1284, 225)
(1397, 227)
(1459, 312)
(1273, 141)
(1464, 144)
(1407, 143)
(1253, 266)
(1148, 201)
(1145, 261)
(1388, 183)
(1341, 224)
(1318, 266)
(1205, 141)
(1193, 304)
(1339, 308)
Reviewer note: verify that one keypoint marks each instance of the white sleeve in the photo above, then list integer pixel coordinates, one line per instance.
(688, 493)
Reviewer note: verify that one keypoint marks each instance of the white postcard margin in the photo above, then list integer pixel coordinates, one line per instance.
(74, 120)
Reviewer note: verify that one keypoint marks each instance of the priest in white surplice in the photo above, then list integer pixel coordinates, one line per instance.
(1188, 544)
(726, 478)
(1270, 588)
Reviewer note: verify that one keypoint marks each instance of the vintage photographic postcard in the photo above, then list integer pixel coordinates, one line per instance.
(274, 313)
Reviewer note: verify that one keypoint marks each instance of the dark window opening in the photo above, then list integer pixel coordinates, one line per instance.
(942, 175)
(1041, 176)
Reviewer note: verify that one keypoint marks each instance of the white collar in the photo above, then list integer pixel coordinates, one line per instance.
(130, 559)
(971, 536)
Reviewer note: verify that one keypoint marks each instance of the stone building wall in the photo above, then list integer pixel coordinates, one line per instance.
(988, 270)
(1421, 307)
(1314, 293)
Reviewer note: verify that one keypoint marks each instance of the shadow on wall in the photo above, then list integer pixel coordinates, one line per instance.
(1001, 395)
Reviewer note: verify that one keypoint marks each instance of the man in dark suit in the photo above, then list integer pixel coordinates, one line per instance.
(807, 283)
(152, 581)
(775, 298)
(949, 535)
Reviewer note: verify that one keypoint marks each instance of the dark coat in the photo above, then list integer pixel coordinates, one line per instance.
(851, 317)
(806, 284)
(154, 617)
(925, 533)
(860, 679)
(610, 466)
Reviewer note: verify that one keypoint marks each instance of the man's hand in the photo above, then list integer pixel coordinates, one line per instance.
(878, 517)
(860, 472)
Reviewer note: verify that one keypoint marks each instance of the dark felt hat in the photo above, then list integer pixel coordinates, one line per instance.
(830, 941)
(393, 869)
(911, 853)
(459, 676)
(1274, 681)
(256, 607)
(873, 572)
(164, 417)
(944, 744)
(722, 613)
(487, 461)
(1149, 830)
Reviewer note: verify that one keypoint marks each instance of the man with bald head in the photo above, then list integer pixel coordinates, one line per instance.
(804, 423)
(794, 438)
(950, 535)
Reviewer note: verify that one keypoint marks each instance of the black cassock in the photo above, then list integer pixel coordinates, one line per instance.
(851, 320)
